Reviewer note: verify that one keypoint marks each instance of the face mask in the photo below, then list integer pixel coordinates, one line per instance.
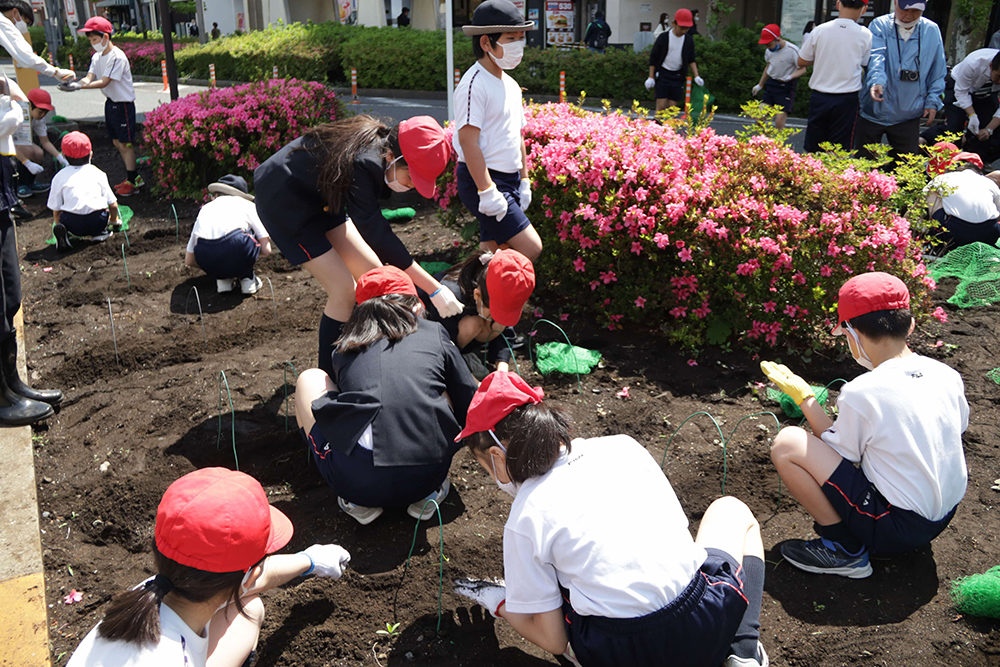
(394, 185)
(509, 488)
(512, 54)
(777, 47)
(99, 47)
(21, 26)
(907, 26)
(244, 589)
(494, 326)
(864, 361)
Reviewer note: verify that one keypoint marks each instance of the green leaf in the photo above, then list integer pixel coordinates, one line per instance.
(718, 331)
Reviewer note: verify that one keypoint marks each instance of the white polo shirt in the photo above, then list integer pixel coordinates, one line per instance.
(972, 74)
(116, 66)
(838, 50)
(967, 196)
(585, 525)
(223, 215)
(80, 190)
(494, 105)
(783, 63)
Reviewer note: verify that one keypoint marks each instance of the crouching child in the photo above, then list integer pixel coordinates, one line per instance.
(81, 199)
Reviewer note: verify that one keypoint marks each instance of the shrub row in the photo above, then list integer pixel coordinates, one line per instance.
(712, 239)
(144, 52)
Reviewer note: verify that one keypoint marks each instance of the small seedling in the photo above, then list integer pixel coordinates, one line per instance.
(817, 607)
(391, 630)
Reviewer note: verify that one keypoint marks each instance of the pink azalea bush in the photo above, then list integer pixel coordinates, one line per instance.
(145, 57)
(198, 138)
(708, 238)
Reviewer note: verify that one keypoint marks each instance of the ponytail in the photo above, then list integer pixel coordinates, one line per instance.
(534, 435)
(470, 274)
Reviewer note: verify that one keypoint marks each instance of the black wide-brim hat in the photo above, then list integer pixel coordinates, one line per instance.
(494, 16)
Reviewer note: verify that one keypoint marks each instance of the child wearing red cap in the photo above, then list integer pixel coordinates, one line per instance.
(30, 154)
(381, 428)
(962, 200)
(672, 55)
(486, 321)
(636, 593)
(214, 543)
(781, 74)
(81, 199)
(317, 193)
(886, 476)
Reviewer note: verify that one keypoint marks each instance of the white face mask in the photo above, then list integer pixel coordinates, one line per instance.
(494, 326)
(21, 26)
(509, 488)
(244, 589)
(864, 361)
(512, 54)
(907, 26)
(100, 46)
(394, 185)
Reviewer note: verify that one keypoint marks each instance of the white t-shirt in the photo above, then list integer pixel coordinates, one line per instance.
(675, 52)
(783, 63)
(223, 215)
(971, 197)
(116, 66)
(81, 190)
(838, 50)
(904, 422)
(495, 107)
(179, 646)
(585, 525)
(38, 127)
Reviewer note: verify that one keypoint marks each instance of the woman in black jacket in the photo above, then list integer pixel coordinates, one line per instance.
(382, 427)
(318, 198)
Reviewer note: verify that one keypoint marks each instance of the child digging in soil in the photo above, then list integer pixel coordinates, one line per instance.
(30, 154)
(641, 592)
(887, 476)
(228, 237)
(81, 199)
(215, 538)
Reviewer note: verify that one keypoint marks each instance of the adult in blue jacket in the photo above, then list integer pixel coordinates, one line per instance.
(906, 75)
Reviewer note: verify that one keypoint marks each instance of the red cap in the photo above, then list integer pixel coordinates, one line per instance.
(97, 24)
(942, 153)
(425, 150)
(684, 18)
(76, 145)
(966, 156)
(498, 395)
(770, 33)
(381, 281)
(510, 280)
(219, 520)
(41, 99)
(867, 293)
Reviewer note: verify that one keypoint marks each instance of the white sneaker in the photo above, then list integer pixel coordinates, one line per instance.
(760, 661)
(103, 236)
(250, 285)
(361, 514)
(225, 285)
(428, 509)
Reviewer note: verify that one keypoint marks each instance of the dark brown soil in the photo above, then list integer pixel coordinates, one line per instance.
(151, 412)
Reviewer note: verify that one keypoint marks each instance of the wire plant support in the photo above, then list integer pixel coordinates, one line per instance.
(218, 441)
(125, 262)
(413, 545)
(284, 375)
(114, 336)
(201, 314)
(274, 306)
(177, 225)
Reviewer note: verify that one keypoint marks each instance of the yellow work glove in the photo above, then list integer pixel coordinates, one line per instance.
(787, 381)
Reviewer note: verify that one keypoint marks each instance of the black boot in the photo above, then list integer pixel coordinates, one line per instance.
(8, 361)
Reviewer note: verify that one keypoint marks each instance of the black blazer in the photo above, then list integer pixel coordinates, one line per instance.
(397, 389)
(662, 45)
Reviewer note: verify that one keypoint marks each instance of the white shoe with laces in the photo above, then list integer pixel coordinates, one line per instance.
(250, 285)
(422, 509)
(225, 285)
(361, 514)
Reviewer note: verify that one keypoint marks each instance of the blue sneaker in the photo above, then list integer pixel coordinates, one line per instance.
(825, 557)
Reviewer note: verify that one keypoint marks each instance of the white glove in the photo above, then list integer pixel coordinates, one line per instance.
(446, 302)
(328, 560)
(756, 89)
(524, 190)
(33, 167)
(488, 594)
(700, 81)
(650, 83)
(65, 74)
(974, 124)
(62, 161)
(491, 202)
(69, 87)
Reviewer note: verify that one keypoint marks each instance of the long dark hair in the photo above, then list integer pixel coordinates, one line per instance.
(663, 18)
(134, 616)
(341, 142)
(534, 435)
(470, 274)
(390, 316)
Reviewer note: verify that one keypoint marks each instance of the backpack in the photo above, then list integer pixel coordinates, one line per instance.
(600, 40)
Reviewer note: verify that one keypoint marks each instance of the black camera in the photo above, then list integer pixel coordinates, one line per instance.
(909, 75)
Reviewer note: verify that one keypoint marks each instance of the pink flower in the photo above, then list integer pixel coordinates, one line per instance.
(679, 311)
(73, 597)
(564, 317)
(939, 314)
(538, 312)
(685, 255)
(578, 263)
(608, 277)
(623, 393)
(940, 343)
(769, 306)
(640, 302)
(692, 362)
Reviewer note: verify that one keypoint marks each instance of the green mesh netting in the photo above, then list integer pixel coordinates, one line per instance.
(124, 215)
(788, 405)
(978, 594)
(399, 214)
(565, 358)
(435, 268)
(977, 266)
(994, 375)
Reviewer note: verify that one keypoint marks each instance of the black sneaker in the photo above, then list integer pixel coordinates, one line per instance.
(21, 213)
(62, 237)
(514, 339)
(825, 557)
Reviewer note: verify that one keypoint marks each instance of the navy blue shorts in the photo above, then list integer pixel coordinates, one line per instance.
(490, 229)
(832, 117)
(355, 477)
(120, 117)
(694, 630)
(231, 256)
(881, 527)
(85, 224)
(670, 85)
(958, 232)
(780, 94)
